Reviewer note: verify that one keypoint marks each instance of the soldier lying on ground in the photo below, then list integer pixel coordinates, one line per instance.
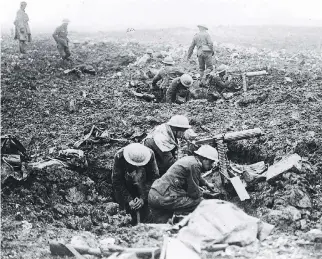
(134, 171)
(23, 33)
(218, 82)
(60, 36)
(163, 140)
(177, 191)
(178, 92)
(167, 73)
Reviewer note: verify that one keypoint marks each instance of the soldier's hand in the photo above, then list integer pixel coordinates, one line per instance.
(132, 204)
(138, 203)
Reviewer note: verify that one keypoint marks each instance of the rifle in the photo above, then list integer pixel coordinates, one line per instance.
(220, 141)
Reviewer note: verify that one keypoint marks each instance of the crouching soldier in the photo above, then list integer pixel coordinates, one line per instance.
(166, 74)
(178, 92)
(177, 191)
(219, 82)
(60, 36)
(134, 171)
(163, 140)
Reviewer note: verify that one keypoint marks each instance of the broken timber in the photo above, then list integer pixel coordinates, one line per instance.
(292, 161)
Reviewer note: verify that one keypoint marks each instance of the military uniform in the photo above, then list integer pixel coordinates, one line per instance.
(217, 85)
(22, 30)
(164, 145)
(166, 75)
(204, 50)
(60, 36)
(177, 92)
(128, 185)
(177, 191)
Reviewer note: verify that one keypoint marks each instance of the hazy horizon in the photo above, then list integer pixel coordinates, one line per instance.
(100, 15)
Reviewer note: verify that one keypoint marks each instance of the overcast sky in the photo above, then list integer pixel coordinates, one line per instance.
(121, 14)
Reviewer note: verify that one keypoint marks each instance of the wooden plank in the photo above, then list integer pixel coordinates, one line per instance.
(256, 73)
(240, 188)
(292, 161)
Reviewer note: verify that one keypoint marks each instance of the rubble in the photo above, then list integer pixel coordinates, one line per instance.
(44, 197)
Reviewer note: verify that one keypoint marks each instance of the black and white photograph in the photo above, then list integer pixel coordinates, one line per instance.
(158, 129)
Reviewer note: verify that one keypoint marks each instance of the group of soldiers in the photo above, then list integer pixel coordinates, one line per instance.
(23, 34)
(171, 89)
(150, 182)
(174, 85)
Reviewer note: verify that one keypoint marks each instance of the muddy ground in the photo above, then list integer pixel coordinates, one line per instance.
(58, 203)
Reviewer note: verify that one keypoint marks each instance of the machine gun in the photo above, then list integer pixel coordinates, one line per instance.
(221, 141)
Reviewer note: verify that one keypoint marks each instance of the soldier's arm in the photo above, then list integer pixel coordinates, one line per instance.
(192, 46)
(55, 34)
(118, 179)
(171, 92)
(154, 171)
(156, 78)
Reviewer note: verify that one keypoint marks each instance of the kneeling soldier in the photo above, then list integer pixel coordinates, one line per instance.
(134, 171)
(177, 191)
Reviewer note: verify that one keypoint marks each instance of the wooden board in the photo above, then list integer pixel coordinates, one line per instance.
(239, 188)
(292, 161)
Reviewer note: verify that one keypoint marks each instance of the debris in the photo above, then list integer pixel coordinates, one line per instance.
(80, 69)
(146, 97)
(288, 80)
(314, 235)
(177, 247)
(223, 223)
(74, 158)
(288, 163)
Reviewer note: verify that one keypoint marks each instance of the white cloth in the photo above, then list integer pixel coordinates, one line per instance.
(163, 137)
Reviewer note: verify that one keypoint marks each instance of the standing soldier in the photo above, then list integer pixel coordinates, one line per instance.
(22, 28)
(60, 36)
(205, 49)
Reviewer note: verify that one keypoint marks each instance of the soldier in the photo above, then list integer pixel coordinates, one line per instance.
(178, 92)
(60, 36)
(218, 82)
(134, 171)
(205, 49)
(22, 28)
(146, 58)
(166, 74)
(163, 140)
(177, 191)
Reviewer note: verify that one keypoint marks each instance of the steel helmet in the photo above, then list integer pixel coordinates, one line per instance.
(222, 68)
(189, 134)
(168, 60)
(186, 80)
(202, 26)
(208, 152)
(149, 51)
(137, 154)
(179, 121)
(66, 21)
